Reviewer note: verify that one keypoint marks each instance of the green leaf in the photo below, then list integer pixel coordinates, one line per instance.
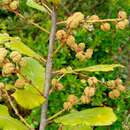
(79, 127)
(99, 116)
(9, 123)
(18, 45)
(104, 68)
(34, 71)
(28, 97)
(4, 38)
(35, 5)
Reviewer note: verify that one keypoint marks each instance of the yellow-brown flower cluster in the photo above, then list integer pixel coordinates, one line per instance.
(11, 5)
(71, 101)
(116, 87)
(57, 85)
(89, 91)
(70, 41)
(74, 20)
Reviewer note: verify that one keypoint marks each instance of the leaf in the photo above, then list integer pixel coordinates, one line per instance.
(104, 68)
(99, 116)
(79, 127)
(34, 71)
(18, 45)
(35, 5)
(9, 123)
(28, 97)
(4, 38)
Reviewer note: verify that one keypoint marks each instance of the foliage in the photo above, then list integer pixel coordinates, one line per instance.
(9, 123)
(109, 48)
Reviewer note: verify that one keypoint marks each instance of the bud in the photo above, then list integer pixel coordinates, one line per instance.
(80, 56)
(67, 106)
(2, 85)
(74, 47)
(72, 99)
(89, 53)
(20, 83)
(70, 40)
(61, 34)
(121, 25)
(114, 94)
(94, 17)
(83, 81)
(15, 56)
(121, 88)
(22, 62)
(59, 86)
(8, 68)
(111, 84)
(118, 81)
(122, 15)
(92, 81)
(54, 82)
(82, 46)
(74, 20)
(6, 1)
(105, 27)
(13, 5)
(89, 91)
(126, 21)
(85, 99)
(3, 52)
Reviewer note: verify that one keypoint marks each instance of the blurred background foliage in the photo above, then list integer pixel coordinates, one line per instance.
(109, 47)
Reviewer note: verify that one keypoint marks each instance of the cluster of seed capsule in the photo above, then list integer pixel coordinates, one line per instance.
(116, 88)
(57, 85)
(71, 101)
(10, 64)
(11, 5)
(78, 19)
(89, 91)
(70, 41)
(66, 37)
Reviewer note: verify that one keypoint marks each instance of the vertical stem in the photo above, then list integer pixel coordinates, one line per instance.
(48, 73)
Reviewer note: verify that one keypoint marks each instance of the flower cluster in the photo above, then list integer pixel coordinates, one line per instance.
(71, 101)
(77, 19)
(70, 41)
(116, 88)
(89, 91)
(57, 85)
(11, 5)
(10, 63)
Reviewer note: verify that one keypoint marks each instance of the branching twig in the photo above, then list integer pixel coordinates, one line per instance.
(16, 111)
(56, 115)
(32, 23)
(48, 73)
(95, 21)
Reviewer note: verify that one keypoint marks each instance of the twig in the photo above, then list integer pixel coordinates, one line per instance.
(32, 23)
(94, 21)
(48, 73)
(49, 10)
(56, 115)
(16, 111)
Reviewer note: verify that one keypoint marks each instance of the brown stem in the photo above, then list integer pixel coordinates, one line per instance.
(48, 73)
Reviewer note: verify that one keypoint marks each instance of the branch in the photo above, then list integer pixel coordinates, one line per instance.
(95, 21)
(32, 23)
(48, 73)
